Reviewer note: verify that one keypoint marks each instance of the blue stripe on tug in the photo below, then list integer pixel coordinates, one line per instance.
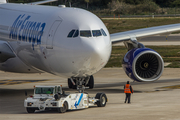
(77, 103)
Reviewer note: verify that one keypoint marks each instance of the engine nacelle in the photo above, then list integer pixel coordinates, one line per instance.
(143, 64)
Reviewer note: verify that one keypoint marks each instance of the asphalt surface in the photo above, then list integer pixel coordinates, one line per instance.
(149, 101)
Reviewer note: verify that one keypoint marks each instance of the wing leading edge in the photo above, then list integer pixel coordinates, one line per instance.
(144, 32)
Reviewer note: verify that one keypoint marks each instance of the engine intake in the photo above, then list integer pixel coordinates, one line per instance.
(143, 64)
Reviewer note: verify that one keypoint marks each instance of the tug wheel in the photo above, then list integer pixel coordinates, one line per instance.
(102, 99)
(64, 108)
(30, 110)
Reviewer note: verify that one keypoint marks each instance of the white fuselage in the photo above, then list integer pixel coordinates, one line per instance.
(38, 35)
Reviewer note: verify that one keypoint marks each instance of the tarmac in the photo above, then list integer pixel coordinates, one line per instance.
(150, 100)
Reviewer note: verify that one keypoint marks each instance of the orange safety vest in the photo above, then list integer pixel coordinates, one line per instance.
(127, 89)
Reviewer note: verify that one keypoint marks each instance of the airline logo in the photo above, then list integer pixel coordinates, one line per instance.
(77, 103)
(25, 30)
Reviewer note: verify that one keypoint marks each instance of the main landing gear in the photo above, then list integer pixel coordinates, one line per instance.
(81, 83)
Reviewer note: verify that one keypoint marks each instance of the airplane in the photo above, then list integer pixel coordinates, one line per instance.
(71, 42)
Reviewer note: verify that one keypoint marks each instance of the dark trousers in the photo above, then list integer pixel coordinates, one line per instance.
(128, 96)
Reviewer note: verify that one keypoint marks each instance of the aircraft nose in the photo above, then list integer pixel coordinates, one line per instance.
(83, 57)
(97, 52)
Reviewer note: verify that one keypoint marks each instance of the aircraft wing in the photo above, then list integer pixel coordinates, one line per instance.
(144, 32)
(41, 2)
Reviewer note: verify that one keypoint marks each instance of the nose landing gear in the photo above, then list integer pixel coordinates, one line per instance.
(81, 83)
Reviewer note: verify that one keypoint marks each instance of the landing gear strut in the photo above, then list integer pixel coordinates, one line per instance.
(81, 83)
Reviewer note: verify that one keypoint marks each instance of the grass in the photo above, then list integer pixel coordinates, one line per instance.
(173, 87)
(120, 25)
(169, 54)
(174, 64)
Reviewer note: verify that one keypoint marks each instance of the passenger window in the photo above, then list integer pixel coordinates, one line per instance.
(76, 33)
(103, 32)
(55, 89)
(85, 33)
(71, 33)
(96, 33)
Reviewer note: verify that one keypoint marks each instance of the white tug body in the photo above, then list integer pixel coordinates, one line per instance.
(52, 97)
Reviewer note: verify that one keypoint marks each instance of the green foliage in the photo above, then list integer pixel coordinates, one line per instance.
(123, 7)
(176, 3)
(174, 64)
(120, 25)
(133, 2)
(168, 51)
(147, 6)
(86, 1)
(164, 3)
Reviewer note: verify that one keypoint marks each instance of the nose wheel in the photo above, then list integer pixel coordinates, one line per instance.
(81, 83)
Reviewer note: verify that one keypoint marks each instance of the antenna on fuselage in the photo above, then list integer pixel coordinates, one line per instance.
(61, 6)
(69, 4)
(3, 1)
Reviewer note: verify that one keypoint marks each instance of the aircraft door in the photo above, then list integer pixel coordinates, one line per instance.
(52, 31)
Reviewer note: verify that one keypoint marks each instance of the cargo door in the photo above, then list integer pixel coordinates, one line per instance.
(52, 31)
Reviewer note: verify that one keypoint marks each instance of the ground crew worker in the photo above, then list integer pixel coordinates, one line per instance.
(49, 91)
(128, 90)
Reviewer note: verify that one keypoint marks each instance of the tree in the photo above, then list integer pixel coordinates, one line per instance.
(176, 3)
(87, 1)
(164, 3)
(133, 2)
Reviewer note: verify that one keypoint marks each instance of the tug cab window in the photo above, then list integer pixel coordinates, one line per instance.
(85, 33)
(96, 33)
(44, 90)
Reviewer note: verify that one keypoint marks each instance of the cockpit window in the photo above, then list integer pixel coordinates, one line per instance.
(71, 33)
(76, 33)
(103, 32)
(96, 33)
(85, 33)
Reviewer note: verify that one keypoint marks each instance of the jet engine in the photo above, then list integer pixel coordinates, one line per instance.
(143, 64)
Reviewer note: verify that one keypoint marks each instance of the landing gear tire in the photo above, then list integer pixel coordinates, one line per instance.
(81, 83)
(91, 82)
(64, 108)
(74, 87)
(102, 99)
(70, 85)
(30, 110)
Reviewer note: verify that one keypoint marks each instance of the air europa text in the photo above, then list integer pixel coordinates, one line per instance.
(25, 30)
